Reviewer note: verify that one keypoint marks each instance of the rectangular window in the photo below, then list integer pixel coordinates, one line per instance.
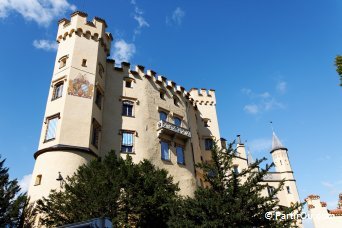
(165, 153)
(84, 62)
(51, 128)
(236, 169)
(98, 98)
(127, 142)
(96, 134)
(288, 189)
(208, 144)
(163, 116)
(180, 155)
(57, 90)
(127, 108)
(270, 190)
(38, 180)
(128, 84)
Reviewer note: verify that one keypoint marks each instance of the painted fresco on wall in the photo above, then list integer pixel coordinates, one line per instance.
(80, 87)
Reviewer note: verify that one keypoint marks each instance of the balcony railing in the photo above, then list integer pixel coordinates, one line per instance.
(173, 129)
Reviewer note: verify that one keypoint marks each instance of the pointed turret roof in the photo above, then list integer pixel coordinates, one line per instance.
(249, 158)
(276, 144)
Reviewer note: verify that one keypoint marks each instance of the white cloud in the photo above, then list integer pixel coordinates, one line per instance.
(251, 108)
(25, 181)
(334, 187)
(47, 45)
(260, 145)
(281, 87)
(176, 17)
(40, 11)
(138, 16)
(123, 51)
(261, 102)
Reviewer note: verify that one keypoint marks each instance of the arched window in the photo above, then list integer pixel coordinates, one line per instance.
(57, 90)
(127, 108)
(162, 116)
(177, 121)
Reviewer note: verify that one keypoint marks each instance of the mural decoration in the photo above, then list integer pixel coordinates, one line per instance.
(80, 87)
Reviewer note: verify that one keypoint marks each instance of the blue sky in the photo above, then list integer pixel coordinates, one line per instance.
(268, 60)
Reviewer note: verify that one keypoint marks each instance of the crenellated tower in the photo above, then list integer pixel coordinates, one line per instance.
(72, 123)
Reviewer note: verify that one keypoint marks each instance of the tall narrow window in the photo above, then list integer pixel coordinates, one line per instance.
(84, 62)
(128, 84)
(101, 70)
(270, 190)
(165, 153)
(206, 123)
(51, 128)
(288, 189)
(162, 94)
(38, 180)
(180, 155)
(127, 108)
(163, 116)
(177, 121)
(127, 142)
(176, 100)
(57, 90)
(208, 144)
(236, 169)
(96, 134)
(98, 98)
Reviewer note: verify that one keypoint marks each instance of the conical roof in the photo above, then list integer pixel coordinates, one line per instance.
(276, 144)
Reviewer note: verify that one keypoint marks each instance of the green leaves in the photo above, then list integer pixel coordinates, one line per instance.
(11, 202)
(131, 194)
(233, 200)
(338, 64)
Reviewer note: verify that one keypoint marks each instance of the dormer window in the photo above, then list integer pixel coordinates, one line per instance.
(62, 61)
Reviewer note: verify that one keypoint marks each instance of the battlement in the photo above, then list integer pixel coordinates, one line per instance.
(195, 96)
(78, 24)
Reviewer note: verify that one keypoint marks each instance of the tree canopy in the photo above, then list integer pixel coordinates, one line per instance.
(12, 201)
(338, 64)
(130, 194)
(233, 199)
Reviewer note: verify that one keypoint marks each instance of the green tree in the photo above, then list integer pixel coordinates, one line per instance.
(338, 64)
(12, 201)
(130, 194)
(233, 199)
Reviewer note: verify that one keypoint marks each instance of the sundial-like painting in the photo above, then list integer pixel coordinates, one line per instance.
(80, 87)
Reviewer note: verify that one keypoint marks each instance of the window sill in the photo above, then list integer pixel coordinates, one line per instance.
(124, 152)
(49, 140)
(182, 164)
(53, 99)
(129, 116)
(166, 160)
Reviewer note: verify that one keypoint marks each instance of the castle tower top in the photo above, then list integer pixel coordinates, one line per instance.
(276, 143)
(78, 24)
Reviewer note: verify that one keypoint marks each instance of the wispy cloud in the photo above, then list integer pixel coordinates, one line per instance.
(260, 145)
(46, 45)
(265, 101)
(24, 182)
(176, 17)
(334, 188)
(123, 51)
(39, 11)
(282, 87)
(138, 16)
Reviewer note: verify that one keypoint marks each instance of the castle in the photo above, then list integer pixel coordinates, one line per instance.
(94, 106)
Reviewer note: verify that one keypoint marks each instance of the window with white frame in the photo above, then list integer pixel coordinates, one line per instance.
(165, 152)
(51, 128)
(57, 90)
(180, 155)
(127, 142)
(127, 108)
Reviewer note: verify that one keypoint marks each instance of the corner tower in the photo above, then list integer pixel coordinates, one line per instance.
(283, 170)
(73, 116)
